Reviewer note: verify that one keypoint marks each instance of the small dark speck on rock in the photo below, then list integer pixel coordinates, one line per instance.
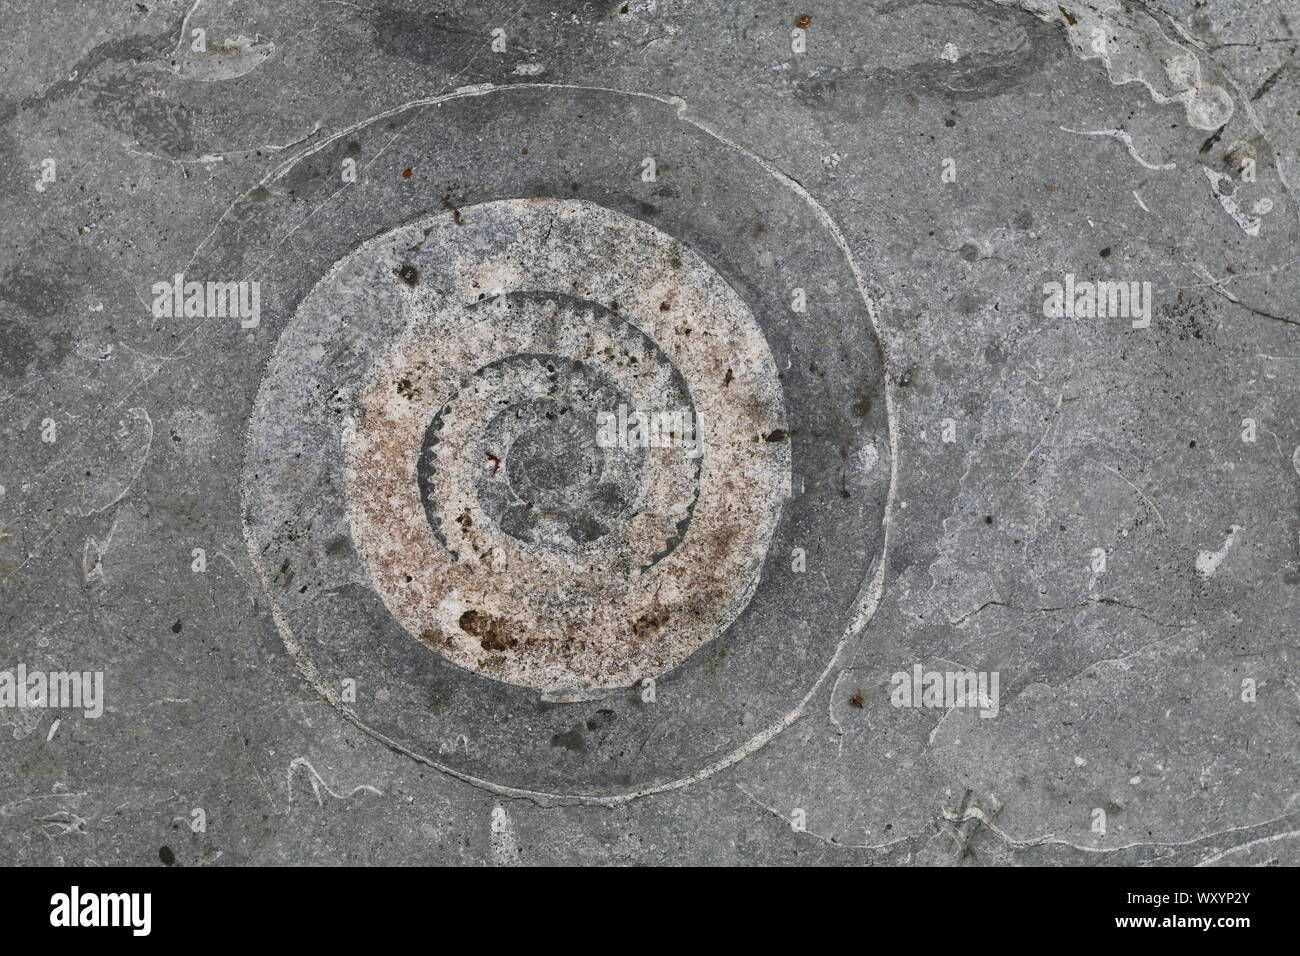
(167, 856)
(571, 741)
(176, 628)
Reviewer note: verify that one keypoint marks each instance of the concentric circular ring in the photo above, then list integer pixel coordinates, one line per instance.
(417, 336)
(506, 590)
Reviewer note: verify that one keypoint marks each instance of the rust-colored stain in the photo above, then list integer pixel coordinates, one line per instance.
(649, 623)
(803, 21)
(1069, 17)
(491, 631)
(857, 701)
(406, 174)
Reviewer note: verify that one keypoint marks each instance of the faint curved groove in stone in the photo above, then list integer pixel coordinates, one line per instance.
(1124, 138)
(133, 437)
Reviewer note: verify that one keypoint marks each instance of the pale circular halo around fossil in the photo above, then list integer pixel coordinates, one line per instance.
(455, 558)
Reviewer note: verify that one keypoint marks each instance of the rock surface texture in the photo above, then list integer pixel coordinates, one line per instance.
(650, 432)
